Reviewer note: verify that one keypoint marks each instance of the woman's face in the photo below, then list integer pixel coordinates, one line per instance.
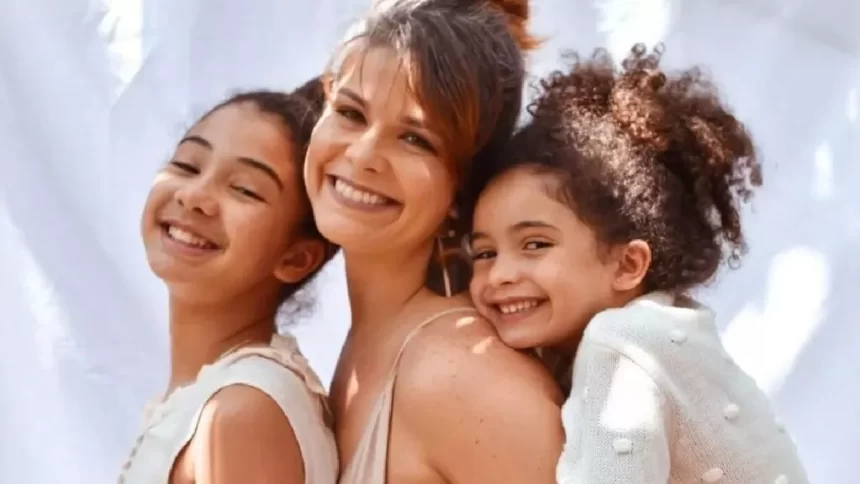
(223, 215)
(376, 170)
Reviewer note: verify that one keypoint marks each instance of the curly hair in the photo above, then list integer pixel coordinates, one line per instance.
(641, 154)
(297, 111)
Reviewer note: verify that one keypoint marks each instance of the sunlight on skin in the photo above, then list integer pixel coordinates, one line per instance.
(465, 321)
(352, 387)
(482, 346)
(766, 342)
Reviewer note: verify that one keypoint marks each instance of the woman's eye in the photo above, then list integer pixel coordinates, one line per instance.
(247, 193)
(418, 141)
(185, 167)
(350, 114)
(483, 254)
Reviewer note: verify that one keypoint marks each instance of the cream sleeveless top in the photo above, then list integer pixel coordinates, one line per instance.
(369, 463)
(280, 371)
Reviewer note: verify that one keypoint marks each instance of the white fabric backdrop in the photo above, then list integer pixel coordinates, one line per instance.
(93, 94)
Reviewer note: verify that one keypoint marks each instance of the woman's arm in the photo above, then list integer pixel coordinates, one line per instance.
(482, 411)
(243, 436)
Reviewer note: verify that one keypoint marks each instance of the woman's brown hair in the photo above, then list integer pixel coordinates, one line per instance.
(465, 59)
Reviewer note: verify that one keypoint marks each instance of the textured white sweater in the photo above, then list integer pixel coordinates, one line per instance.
(656, 399)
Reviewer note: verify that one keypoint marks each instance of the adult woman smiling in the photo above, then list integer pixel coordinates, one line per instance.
(423, 90)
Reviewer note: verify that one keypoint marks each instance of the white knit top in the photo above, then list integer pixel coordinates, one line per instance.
(656, 399)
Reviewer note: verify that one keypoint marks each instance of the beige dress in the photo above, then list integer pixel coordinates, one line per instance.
(369, 463)
(280, 371)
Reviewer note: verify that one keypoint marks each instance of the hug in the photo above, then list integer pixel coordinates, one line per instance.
(520, 295)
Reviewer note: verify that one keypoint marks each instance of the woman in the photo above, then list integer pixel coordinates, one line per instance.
(227, 227)
(422, 90)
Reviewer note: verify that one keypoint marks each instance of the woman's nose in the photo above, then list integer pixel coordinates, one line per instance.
(365, 152)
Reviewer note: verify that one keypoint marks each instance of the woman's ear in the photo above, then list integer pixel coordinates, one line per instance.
(301, 259)
(633, 260)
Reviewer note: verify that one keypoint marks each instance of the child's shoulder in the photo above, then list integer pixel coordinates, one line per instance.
(281, 359)
(654, 325)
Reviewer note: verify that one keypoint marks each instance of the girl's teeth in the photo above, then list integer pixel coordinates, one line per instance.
(187, 238)
(517, 306)
(356, 195)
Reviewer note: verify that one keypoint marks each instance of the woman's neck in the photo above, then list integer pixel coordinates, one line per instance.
(380, 285)
(201, 333)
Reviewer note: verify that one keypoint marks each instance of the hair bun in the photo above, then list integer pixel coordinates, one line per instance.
(638, 105)
(518, 13)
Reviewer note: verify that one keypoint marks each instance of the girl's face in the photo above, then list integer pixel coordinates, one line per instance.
(376, 170)
(222, 218)
(538, 275)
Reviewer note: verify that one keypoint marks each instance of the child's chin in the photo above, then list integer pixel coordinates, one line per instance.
(522, 337)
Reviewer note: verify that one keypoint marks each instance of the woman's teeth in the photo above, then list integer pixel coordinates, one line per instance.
(359, 196)
(188, 238)
(517, 307)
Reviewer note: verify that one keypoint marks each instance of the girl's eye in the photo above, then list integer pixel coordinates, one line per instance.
(185, 167)
(536, 245)
(419, 141)
(247, 193)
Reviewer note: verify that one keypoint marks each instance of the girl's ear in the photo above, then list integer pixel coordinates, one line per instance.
(301, 259)
(633, 261)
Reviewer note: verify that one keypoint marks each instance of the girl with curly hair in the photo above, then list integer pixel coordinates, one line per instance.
(619, 197)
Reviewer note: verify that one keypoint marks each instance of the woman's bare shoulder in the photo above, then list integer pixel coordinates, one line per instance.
(457, 382)
(463, 348)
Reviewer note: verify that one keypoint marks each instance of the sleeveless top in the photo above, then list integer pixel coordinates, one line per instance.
(369, 463)
(280, 371)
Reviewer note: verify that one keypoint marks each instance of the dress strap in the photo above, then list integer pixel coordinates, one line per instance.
(422, 325)
(369, 462)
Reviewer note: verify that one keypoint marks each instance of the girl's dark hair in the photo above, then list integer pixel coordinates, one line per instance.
(641, 154)
(465, 59)
(298, 112)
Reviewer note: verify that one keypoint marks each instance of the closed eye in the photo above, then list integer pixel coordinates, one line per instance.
(185, 167)
(248, 193)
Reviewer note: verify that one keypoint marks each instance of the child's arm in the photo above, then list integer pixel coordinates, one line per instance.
(617, 422)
